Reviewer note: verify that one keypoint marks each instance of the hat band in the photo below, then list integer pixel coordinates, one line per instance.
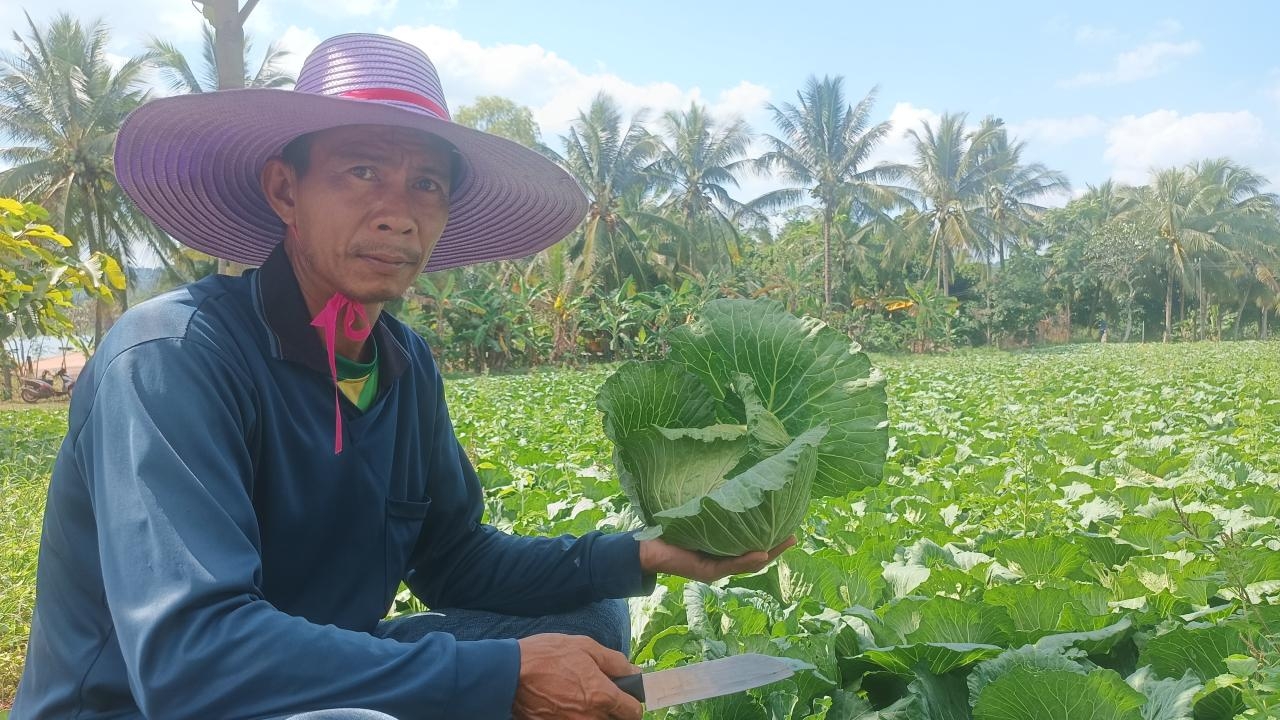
(400, 96)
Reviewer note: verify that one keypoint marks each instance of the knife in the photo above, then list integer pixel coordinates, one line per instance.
(708, 679)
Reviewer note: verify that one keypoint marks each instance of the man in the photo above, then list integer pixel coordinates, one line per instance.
(253, 464)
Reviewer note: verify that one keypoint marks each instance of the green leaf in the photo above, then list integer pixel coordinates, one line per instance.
(680, 465)
(947, 620)
(941, 697)
(1156, 535)
(1091, 642)
(755, 510)
(1026, 693)
(807, 375)
(1166, 699)
(1040, 557)
(1241, 665)
(844, 705)
(802, 576)
(741, 706)
(1040, 611)
(937, 658)
(1025, 657)
(1220, 699)
(903, 578)
(673, 637)
(766, 430)
(818, 417)
(1109, 551)
(642, 396)
(1203, 651)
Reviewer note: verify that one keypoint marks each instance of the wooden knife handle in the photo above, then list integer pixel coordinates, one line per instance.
(632, 685)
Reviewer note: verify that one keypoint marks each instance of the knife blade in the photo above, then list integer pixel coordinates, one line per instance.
(707, 679)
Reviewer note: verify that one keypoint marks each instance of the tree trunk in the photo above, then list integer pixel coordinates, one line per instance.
(1182, 311)
(1128, 311)
(1263, 332)
(1244, 303)
(1066, 307)
(1202, 309)
(826, 259)
(944, 280)
(228, 42)
(1168, 308)
(228, 53)
(6, 391)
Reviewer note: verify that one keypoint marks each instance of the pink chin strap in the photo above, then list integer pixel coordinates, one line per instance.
(328, 320)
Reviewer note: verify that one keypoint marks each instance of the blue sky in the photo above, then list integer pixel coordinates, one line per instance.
(1097, 89)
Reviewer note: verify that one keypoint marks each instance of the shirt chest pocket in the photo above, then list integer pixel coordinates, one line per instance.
(404, 525)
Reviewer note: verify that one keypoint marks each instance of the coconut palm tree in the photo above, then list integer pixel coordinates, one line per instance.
(1068, 231)
(825, 146)
(1175, 208)
(953, 170)
(182, 78)
(698, 161)
(61, 104)
(1247, 226)
(608, 157)
(1014, 189)
(1207, 210)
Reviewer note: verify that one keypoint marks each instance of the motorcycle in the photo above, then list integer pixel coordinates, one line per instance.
(36, 389)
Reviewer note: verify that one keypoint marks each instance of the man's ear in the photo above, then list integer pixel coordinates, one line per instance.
(280, 184)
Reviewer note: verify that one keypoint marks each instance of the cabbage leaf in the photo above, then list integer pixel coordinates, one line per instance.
(721, 445)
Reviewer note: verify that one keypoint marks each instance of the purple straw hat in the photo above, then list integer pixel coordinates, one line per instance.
(193, 163)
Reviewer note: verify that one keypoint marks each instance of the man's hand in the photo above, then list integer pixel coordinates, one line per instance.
(567, 677)
(659, 556)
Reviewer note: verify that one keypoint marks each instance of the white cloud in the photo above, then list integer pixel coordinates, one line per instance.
(131, 24)
(1095, 35)
(1058, 131)
(552, 87)
(556, 90)
(747, 101)
(1167, 27)
(116, 61)
(299, 42)
(382, 9)
(1164, 138)
(897, 147)
(1142, 62)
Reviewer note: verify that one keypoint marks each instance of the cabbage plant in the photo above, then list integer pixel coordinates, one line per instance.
(754, 411)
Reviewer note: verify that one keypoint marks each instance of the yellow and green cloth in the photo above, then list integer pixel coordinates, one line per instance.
(359, 381)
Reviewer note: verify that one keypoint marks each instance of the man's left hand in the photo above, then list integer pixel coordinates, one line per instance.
(659, 556)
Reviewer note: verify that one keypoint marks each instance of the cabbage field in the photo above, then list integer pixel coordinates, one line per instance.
(1084, 533)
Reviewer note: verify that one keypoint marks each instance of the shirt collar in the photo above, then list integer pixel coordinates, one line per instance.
(284, 309)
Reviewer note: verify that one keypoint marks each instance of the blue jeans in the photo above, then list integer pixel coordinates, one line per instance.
(607, 622)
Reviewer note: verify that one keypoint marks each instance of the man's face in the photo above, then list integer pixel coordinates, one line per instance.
(365, 213)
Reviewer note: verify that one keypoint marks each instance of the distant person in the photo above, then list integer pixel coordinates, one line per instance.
(254, 464)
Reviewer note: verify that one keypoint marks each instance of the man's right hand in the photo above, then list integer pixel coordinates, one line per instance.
(566, 677)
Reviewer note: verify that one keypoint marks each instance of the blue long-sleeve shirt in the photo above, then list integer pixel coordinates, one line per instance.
(206, 554)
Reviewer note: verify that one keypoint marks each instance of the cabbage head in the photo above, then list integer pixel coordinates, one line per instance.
(721, 445)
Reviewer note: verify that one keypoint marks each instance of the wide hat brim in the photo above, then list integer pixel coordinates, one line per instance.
(193, 164)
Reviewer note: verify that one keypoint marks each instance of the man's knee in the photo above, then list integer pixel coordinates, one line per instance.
(615, 618)
(608, 622)
(340, 714)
